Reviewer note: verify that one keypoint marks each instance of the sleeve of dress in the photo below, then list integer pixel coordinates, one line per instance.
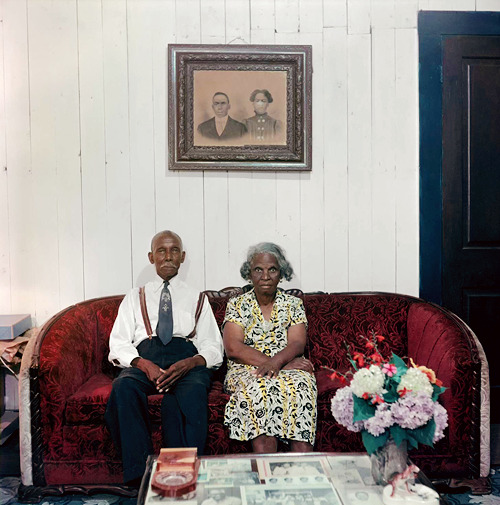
(297, 313)
(233, 313)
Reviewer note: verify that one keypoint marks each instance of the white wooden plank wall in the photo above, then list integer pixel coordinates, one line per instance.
(116, 246)
(4, 190)
(83, 181)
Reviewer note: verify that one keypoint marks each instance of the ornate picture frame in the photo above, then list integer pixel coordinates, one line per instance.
(243, 108)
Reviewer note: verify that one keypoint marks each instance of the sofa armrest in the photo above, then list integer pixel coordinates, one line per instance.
(439, 340)
(25, 452)
(65, 352)
(70, 348)
(485, 441)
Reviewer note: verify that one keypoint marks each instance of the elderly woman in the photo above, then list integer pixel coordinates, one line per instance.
(273, 390)
(261, 126)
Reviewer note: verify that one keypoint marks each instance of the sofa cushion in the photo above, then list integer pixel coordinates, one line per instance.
(88, 404)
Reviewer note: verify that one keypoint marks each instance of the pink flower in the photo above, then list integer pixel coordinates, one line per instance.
(389, 369)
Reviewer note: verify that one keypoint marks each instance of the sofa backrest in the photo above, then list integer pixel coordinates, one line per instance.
(336, 321)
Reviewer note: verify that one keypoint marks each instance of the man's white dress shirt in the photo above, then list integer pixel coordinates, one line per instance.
(129, 330)
(220, 124)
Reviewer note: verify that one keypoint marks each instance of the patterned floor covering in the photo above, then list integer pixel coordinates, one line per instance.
(467, 498)
(9, 485)
(8, 496)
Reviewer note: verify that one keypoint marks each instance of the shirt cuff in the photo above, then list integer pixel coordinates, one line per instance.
(212, 359)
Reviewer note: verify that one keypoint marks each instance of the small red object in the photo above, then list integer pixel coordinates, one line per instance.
(176, 472)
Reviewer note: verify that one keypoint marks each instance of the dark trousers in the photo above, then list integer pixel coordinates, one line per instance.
(184, 410)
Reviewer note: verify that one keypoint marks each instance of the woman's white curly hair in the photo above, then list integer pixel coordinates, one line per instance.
(286, 270)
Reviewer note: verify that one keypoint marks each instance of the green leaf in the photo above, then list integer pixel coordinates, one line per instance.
(425, 434)
(354, 364)
(396, 360)
(371, 443)
(412, 441)
(398, 434)
(401, 366)
(362, 409)
(437, 390)
(391, 396)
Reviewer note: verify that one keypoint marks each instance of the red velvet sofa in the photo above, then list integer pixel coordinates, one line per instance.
(66, 379)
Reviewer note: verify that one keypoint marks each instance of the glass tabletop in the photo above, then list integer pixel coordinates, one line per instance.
(277, 479)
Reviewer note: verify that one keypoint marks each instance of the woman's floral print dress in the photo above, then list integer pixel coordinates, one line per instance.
(283, 406)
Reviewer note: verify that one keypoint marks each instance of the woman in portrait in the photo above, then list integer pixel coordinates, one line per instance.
(272, 386)
(261, 126)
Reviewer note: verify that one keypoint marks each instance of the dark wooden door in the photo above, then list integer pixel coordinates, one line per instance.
(471, 190)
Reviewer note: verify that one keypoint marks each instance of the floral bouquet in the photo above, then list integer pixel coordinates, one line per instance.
(389, 399)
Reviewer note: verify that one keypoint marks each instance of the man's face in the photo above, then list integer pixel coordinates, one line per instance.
(220, 105)
(260, 103)
(166, 255)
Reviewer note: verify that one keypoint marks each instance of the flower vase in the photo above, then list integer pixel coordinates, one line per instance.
(388, 461)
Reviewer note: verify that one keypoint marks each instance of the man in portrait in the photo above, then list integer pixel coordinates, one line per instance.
(221, 126)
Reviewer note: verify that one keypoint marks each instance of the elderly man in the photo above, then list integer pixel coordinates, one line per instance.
(221, 126)
(166, 339)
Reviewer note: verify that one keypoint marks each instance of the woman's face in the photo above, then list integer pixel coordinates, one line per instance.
(264, 274)
(260, 103)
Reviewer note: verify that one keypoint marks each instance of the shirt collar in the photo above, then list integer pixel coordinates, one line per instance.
(221, 120)
(158, 282)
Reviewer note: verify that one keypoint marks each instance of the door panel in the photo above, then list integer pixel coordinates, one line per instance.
(471, 188)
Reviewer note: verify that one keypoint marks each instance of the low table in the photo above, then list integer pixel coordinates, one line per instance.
(278, 479)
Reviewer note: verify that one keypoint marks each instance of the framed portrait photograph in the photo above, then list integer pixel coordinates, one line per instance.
(239, 107)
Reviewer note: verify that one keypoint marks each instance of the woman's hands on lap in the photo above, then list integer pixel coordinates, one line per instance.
(270, 368)
(300, 364)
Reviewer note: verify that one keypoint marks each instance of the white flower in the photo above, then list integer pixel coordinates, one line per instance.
(368, 380)
(415, 381)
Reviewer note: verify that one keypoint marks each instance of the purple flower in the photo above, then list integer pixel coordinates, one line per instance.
(343, 408)
(412, 411)
(441, 420)
(382, 419)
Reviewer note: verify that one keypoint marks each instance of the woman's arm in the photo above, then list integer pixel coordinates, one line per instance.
(237, 350)
(286, 358)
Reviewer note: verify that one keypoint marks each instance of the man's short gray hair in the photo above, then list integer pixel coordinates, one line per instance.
(286, 270)
(166, 232)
